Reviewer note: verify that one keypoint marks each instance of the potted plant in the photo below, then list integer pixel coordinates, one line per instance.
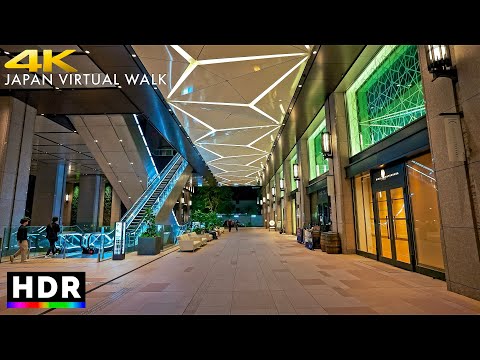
(150, 241)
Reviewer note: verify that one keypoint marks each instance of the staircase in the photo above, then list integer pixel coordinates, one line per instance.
(153, 197)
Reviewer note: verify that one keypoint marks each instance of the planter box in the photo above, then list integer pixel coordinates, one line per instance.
(149, 246)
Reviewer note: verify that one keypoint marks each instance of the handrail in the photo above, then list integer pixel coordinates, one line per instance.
(128, 218)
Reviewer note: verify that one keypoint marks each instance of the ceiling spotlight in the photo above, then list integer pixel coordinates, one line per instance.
(133, 55)
(131, 163)
(6, 52)
(119, 181)
(300, 85)
(87, 52)
(74, 131)
(155, 88)
(141, 181)
(170, 110)
(129, 197)
(57, 88)
(315, 52)
(119, 86)
(109, 163)
(95, 141)
(42, 114)
(120, 140)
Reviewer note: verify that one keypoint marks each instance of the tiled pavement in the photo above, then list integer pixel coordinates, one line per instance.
(258, 272)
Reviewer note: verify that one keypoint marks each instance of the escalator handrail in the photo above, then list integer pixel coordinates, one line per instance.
(137, 206)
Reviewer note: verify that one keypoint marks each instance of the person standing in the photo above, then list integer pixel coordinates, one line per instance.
(52, 235)
(22, 239)
(229, 225)
(236, 225)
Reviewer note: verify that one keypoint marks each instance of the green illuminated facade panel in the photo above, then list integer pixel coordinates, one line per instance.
(387, 96)
(293, 182)
(317, 164)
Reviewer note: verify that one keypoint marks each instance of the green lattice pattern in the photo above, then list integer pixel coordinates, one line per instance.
(389, 98)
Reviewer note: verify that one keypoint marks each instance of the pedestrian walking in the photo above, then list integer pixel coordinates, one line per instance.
(22, 239)
(229, 225)
(236, 225)
(52, 235)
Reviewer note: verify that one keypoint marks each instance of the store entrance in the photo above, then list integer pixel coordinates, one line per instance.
(392, 237)
(394, 240)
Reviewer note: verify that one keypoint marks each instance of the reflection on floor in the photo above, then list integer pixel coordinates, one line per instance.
(255, 272)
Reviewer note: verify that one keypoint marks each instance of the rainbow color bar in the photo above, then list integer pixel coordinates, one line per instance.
(46, 305)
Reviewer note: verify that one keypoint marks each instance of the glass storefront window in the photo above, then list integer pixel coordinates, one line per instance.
(426, 218)
(364, 215)
(387, 96)
(317, 164)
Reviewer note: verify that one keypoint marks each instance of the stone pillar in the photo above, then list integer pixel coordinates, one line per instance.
(49, 196)
(116, 208)
(457, 181)
(278, 211)
(342, 201)
(287, 171)
(16, 134)
(101, 203)
(302, 159)
(67, 207)
(89, 200)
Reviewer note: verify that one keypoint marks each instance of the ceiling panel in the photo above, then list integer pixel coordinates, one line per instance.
(158, 52)
(230, 97)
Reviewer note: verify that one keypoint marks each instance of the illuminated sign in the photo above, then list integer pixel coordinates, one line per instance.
(383, 176)
(119, 241)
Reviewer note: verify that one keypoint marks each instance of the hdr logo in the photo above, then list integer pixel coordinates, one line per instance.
(43, 290)
(48, 61)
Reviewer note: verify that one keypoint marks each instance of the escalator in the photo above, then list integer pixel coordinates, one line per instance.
(154, 197)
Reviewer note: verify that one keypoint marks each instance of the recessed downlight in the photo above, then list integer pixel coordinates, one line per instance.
(87, 52)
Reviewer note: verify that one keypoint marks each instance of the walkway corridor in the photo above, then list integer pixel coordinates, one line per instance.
(250, 272)
(257, 272)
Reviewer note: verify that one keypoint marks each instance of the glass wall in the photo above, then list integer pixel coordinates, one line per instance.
(386, 96)
(426, 218)
(317, 164)
(364, 214)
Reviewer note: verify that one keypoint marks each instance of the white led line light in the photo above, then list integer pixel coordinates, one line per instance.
(246, 58)
(145, 142)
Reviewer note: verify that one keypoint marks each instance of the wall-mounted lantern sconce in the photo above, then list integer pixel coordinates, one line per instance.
(282, 185)
(189, 202)
(439, 61)
(273, 191)
(261, 202)
(264, 199)
(296, 175)
(268, 197)
(327, 145)
(67, 197)
(182, 200)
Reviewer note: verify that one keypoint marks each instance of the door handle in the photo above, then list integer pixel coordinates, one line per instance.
(394, 229)
(388, 228)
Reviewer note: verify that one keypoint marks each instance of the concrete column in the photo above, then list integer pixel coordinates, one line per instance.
(101, 203)
(287, 170)
(278, 210)
(67, 207)
(457, 181)
(342, 201)
(16, 134)
(89, 200)
(302, 159)
(116, 208)
(49, 196)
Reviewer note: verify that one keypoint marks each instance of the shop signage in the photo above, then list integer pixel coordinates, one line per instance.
(119, 241)
(384, 176)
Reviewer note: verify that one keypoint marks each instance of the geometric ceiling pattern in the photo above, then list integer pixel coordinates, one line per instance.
(230, 99)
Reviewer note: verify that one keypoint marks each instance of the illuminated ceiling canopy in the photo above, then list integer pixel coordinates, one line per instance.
(231, 99)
